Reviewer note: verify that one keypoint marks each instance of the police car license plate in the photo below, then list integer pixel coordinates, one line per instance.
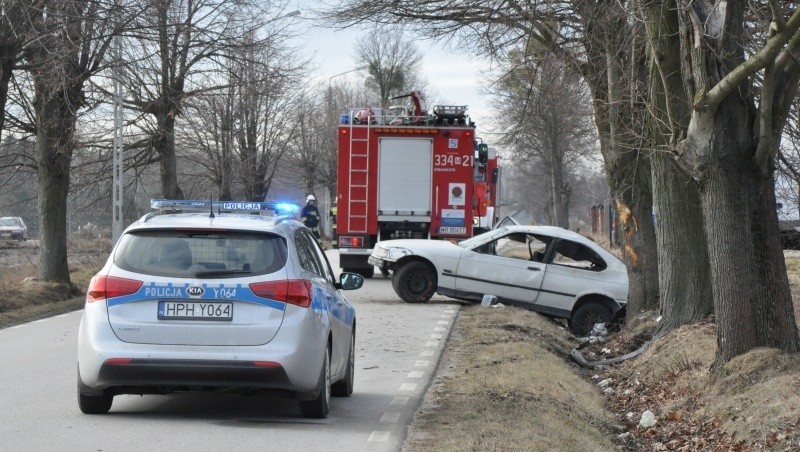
(452, 230)
(206, 310)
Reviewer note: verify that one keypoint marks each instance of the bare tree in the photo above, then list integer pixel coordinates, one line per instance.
(684, 270)
(72, 38)
(729, 146)
(547, 124)
(14, 28)
(173, 55)
(244, 126)
(393, 63)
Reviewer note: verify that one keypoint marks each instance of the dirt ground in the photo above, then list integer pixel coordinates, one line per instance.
(23, 298)
(506, 381)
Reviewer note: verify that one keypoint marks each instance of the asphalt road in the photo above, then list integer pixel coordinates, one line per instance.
(398, 348)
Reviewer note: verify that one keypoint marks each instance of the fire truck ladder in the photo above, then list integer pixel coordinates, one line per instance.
(358, 179)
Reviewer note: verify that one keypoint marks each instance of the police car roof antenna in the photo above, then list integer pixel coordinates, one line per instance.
(211, 206)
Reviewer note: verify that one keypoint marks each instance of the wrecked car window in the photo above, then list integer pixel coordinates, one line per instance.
(571, 254)
(516, 246)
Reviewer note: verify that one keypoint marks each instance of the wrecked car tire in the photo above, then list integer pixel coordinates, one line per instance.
(414, 282)
(584, 318)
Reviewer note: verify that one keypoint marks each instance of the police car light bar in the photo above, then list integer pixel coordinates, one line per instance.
(223, 206)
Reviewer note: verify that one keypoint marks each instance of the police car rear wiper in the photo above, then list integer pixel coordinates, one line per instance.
(204, 273)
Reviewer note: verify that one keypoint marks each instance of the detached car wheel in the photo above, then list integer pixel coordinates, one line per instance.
(318, 408)
(585, 317)
(415, 282)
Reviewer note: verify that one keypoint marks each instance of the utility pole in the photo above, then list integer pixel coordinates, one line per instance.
(117, 217)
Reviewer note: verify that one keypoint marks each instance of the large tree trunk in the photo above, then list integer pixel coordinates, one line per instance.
(165, 146)
(683, 270)
(627, 167)
(55, 120)
(752, 302)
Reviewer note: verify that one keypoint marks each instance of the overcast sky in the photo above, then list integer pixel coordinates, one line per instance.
(454, 76)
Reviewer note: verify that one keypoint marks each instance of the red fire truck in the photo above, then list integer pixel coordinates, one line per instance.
(410, 175)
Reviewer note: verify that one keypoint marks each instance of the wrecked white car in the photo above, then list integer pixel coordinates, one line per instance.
(548, 269)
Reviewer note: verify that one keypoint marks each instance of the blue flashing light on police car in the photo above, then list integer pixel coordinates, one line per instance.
(198, 205)
(287, 207)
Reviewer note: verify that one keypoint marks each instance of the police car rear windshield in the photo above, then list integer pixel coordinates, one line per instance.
(201, 254)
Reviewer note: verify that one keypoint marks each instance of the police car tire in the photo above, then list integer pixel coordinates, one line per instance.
(318, 408)
(344, 387)
(93, 404)
(414, 282)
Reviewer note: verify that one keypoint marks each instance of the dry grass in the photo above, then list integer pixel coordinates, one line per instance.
(504, 384)
(23, 298)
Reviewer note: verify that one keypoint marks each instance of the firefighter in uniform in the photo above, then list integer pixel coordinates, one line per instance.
(310, 215)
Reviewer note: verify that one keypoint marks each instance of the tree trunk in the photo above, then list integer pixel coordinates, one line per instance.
(683, 270)
(55, 120)
(165, 146)
(8, 55)
(627, 168)
(752, 302)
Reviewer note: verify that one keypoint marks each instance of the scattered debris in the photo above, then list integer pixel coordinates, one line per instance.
(648, 419)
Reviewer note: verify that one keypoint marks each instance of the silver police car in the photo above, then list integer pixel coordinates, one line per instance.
(210, 301)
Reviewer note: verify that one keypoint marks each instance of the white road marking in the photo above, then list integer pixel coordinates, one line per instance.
(415, 374)
(432, 344)
(380, 437)
(443, 322)
(426, 353)
(408, 387)
(399, 400)
(422, 363)
(390, 417)
(436, 336)
(440, 328)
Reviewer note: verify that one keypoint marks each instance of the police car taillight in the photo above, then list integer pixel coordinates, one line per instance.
(347, 241)
(293, 291)
(103, 287)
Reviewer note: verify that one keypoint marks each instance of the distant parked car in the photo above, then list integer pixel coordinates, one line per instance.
(548, 269)
(13, 228)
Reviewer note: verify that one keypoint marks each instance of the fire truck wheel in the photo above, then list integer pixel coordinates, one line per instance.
(414, 282)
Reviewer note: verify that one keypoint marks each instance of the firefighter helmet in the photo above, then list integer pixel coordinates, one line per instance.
(310, 198)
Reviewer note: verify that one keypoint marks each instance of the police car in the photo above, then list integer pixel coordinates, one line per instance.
(217, 298)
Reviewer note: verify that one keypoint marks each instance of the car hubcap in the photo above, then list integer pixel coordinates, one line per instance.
(417, 282)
